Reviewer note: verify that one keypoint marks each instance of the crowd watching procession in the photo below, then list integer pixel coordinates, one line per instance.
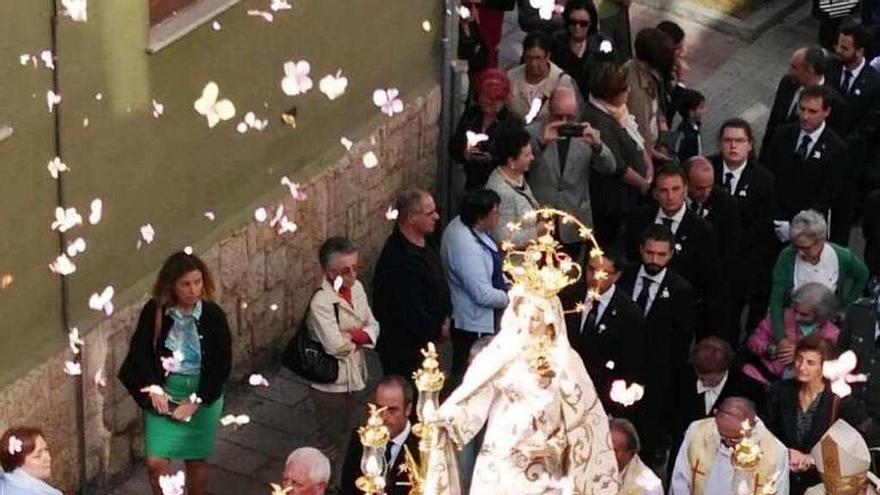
(727, 280)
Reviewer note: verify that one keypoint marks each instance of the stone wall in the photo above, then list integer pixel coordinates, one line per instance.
(255, 270)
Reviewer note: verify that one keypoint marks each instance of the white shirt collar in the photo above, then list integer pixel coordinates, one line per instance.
(855, 73)
(401, 437)
(605, 298)
(676, 218)
(737, 172)
(603, 302)
(658, 279)
(814, 137)
(717, 388)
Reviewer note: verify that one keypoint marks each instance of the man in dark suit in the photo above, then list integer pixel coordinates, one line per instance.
(608, 334)
(806, 160)
(711, 203)
(861, 335)
(667, 300)
(712, 379)
(859, 84)
(806, 68)
(395, 394)
(752, 187)
(695, 248)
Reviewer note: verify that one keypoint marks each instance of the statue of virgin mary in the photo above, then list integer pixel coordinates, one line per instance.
(546, 431)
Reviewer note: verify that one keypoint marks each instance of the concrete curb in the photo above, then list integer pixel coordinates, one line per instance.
(747, 29)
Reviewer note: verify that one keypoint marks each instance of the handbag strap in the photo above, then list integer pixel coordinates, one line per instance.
(157, 327)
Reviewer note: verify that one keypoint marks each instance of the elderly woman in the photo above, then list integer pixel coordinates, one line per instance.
(490, 117)
(811, 258)
(473, 265)
(27, 465)
(177, 365)
(340, 318)
(535, 79)
(810, 313)
(508, 180)
(579, 47)
(802, 408)
(615, 197)
(648, 101)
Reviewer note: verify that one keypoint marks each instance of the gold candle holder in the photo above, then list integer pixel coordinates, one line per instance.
(374, 437)
(429, 382)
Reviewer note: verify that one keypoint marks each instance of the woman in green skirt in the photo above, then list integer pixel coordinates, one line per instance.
(176, 367)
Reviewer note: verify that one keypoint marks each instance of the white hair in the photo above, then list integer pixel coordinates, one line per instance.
(810, 224)
(319, 465)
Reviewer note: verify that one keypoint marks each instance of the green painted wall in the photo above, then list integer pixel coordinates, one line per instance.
(169, 171)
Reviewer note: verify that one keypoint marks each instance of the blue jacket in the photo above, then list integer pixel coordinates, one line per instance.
(468, 267)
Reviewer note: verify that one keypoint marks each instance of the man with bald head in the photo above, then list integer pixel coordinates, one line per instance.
(806, 68)
(566, 152)
(711, 203)
(703, 464)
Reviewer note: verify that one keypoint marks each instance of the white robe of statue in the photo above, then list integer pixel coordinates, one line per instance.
(546, 432)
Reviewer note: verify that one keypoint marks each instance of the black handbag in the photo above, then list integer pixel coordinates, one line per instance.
(307, 358)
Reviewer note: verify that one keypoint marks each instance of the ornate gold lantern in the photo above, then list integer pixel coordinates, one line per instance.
(374, 437)
(429, 382)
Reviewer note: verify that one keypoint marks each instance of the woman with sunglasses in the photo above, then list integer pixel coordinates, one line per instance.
(340, 318)
(579, 47)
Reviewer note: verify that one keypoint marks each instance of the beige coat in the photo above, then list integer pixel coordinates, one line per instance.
(520, 100)
(643, 99)
(323, 327)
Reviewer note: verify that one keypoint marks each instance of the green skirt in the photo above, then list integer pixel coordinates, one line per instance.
(193, 440)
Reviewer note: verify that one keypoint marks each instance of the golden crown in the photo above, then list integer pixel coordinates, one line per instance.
(539, 267)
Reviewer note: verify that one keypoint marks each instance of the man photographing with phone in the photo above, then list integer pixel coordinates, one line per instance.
(567, 152)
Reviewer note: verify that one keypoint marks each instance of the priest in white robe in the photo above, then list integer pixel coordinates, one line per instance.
(546, 431)
(703, 465)
(635, 477)
(843, 460)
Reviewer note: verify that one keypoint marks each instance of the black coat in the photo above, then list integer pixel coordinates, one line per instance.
(722, 213)
(811, 184)
(871, 231)
(779, 115)
(143, 367)
(690, 406)
(858, 335)
(858, 116)
(755, 197)
(695, 255)
(476, 172)
(410, 300)
(580, 68)
(781, 419)
(618, 337)
(669, 329)
(352, 468)
(669, 325)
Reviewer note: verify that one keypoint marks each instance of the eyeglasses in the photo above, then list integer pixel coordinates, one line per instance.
(575, 22)
(348, 270)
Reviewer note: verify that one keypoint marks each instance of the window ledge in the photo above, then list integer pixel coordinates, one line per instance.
(187, 20)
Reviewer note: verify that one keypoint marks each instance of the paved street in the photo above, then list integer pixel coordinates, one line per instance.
(738, 80)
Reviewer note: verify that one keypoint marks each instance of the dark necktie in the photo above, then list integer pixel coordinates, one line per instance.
(803, 147)
(847, 77)
(642, 300)
(696, 208)
(667, 222)
(728, 182)
(388, 447)
(592, 316)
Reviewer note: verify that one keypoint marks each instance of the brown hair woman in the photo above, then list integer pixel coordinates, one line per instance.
(177, 365)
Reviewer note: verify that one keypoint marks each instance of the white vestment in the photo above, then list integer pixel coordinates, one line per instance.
(539, 440)
(638, 479)
(720, 474)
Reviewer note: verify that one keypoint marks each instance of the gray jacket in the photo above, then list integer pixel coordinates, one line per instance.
(569, 190)
(514, 204)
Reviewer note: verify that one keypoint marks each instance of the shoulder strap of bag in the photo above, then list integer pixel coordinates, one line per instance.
(157, 326)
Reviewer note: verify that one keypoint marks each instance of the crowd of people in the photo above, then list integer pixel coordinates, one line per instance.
(725, 284)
